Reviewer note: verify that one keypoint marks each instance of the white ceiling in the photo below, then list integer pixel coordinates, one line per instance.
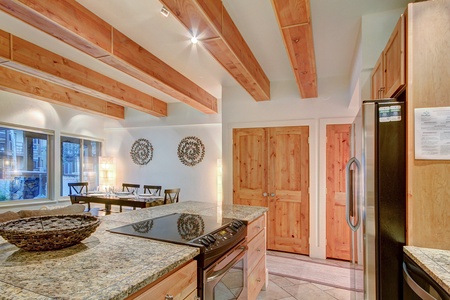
(335, 29)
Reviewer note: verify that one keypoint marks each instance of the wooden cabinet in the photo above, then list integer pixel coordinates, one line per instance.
(428, 87)
(377, 79)
(178, 285)
(389, 73)
(256, 257)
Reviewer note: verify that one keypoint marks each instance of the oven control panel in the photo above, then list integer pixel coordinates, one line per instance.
(223, 236)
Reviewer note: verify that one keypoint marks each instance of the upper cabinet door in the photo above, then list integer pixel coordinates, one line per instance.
(394, 60)
(377, 79)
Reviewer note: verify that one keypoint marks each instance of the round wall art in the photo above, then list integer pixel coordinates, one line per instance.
(191, 151)
(141, 152)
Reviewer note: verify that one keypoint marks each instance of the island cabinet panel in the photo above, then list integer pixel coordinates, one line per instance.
(256, 257)
(178, 285)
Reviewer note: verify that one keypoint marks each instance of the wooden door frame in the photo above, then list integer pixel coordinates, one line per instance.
(227, 161)
(322, 203)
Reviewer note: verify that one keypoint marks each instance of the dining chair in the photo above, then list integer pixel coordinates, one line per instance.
(171, 195)
(153, 189)
(130, 187)
(78, 188)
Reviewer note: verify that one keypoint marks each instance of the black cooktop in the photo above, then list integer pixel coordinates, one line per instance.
(177, 228)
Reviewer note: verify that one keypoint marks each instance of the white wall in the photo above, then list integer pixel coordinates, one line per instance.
(197, 182)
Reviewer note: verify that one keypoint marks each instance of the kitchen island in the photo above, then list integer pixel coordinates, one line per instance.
(435, 263)
(106, 265)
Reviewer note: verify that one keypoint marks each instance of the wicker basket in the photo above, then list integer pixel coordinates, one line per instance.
(48, 232)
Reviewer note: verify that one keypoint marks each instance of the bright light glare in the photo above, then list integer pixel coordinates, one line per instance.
(194, 40)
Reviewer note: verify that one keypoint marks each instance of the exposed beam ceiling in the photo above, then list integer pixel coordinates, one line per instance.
(294, 19)
(27, 85)
(209, 21)
(80, 28)
(24, 56)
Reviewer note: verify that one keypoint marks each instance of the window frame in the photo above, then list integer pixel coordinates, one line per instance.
(82, 139)
(50, 134)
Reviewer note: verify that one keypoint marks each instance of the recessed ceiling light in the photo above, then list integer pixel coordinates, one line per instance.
(194, 40)
(165, 12)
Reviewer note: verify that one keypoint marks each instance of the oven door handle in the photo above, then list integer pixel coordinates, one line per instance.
(228, 266)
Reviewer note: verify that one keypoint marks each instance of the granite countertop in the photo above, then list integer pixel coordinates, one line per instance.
(105, 265)
(434, 262)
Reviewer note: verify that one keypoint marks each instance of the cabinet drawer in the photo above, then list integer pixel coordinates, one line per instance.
(255, 227)
(180, 285)
(256, 250)
(256, 279)
(192, 296)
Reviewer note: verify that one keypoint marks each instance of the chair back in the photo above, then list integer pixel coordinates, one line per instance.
(130, 187)
(154, 189)
(171, 195)
(78, 188)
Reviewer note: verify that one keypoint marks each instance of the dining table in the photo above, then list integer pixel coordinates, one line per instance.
(131, 200)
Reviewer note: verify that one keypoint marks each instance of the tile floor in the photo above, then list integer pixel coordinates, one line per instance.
(289, 288)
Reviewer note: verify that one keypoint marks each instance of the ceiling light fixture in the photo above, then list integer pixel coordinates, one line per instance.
(165, 12)
(194, 40)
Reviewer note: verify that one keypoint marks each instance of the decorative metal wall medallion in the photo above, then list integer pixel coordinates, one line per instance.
(190, 226)
(141, 152)
(191, 151)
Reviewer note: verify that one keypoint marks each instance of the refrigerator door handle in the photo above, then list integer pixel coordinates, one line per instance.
(349, 187)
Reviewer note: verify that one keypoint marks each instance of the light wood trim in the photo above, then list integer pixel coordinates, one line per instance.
(220, 36)
(70, 22)
(428, 41)
(180, 284)
(24, 84)
(295, 24)
(36, 61)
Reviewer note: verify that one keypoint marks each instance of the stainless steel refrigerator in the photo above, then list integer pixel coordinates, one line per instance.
(376, 197)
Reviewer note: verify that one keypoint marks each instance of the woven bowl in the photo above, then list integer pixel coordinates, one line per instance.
(48, 232)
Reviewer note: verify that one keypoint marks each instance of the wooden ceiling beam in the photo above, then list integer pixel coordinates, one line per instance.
(72, 23)
(36, 61)
(294, 19)
(20, 83)
(209, 21)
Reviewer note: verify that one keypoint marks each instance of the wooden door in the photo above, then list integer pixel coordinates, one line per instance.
(288, 181)
(337, 155)
(271, 168)
(250, 166)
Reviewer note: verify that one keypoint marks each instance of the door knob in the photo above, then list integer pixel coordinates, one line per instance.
(272, 195)
(264, 194)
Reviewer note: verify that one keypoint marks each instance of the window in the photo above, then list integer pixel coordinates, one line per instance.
(79, 162)
(23, 164)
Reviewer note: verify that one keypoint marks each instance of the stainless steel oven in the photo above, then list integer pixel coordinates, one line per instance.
(226, 278)
(221, 263)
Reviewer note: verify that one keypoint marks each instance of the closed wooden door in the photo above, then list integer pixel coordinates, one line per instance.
(250, 166)
(288, 222)
(271, 168)
(337, 155)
